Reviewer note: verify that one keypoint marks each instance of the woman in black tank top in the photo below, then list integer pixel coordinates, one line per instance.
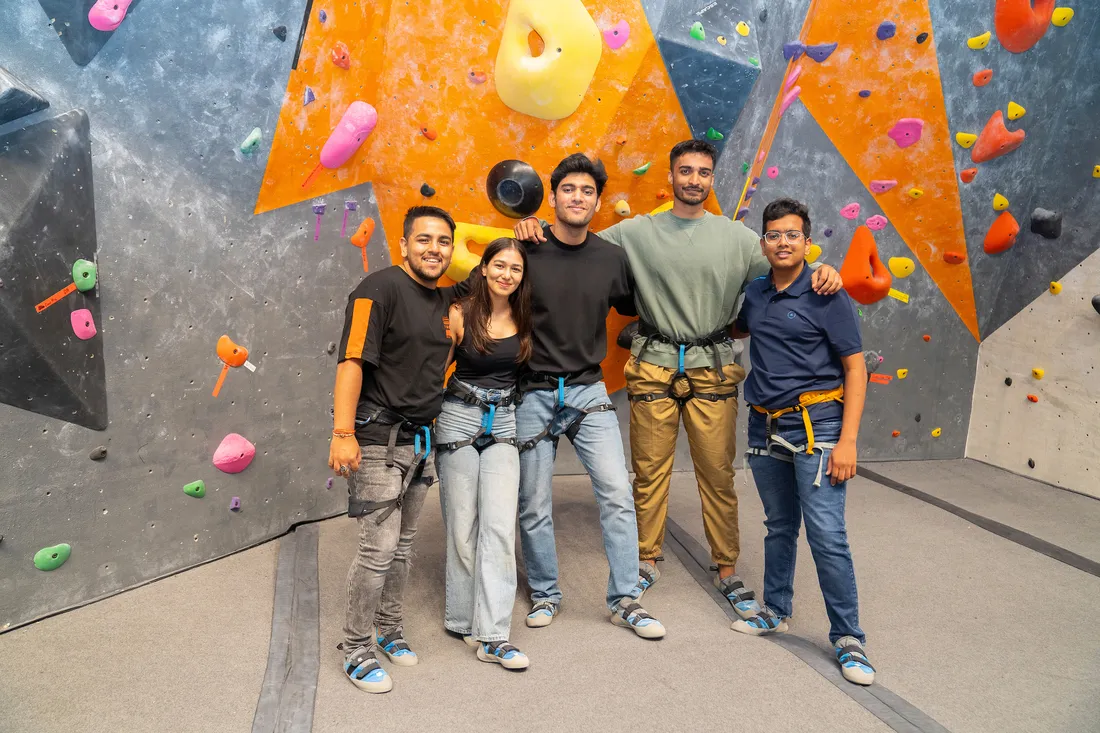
(476, 454)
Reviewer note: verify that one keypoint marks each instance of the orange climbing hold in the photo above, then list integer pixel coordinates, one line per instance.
(981, 78)
(429, 133)
(1032, 398)
(896, 433)
(1019, 25)
(1002, 234)
(926, 337)
(662, 195)
(866, 279)
(341, 56)
(966, 176)
(954, 258)
(995, 140)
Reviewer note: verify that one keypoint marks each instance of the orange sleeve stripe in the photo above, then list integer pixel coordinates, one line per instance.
(360, 320)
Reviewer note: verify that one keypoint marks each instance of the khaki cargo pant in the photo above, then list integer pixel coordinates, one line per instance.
(711, 429)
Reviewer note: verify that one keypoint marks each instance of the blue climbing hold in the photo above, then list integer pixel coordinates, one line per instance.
(322, 15)
(886, 29)
(793, 50)
(310, 97)
(828, 232)
(821, 51)
(865, 93)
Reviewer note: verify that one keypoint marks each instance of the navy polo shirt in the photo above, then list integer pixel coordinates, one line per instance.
(798, 338)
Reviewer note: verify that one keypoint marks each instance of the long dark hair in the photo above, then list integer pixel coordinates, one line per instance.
(478, 305)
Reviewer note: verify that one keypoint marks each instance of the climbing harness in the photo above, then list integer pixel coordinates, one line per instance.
(566, 419)
(804, 401)
(710, 341)
(386, 416)
(485, 436)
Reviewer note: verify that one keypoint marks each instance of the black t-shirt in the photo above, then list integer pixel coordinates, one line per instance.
(399, 329)
(496, 369)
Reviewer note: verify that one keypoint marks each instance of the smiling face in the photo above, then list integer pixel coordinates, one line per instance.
(783, 242)
(504, 272)
(575, 201)
(427, 252)
(692, 178)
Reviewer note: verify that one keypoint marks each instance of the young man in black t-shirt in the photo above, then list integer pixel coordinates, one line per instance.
(389, 389)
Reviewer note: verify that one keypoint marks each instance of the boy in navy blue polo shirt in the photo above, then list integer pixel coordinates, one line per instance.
(806, 391)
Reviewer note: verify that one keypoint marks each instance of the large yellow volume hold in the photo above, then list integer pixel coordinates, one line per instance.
(463, 261)
(552, 85)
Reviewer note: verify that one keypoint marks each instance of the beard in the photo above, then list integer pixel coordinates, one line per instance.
(692, 198)
(567, 217)
(417, 268)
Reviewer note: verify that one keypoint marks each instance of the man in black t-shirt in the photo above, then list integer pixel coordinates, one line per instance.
(389, 389)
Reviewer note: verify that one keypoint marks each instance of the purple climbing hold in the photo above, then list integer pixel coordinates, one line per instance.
(828, 232)
(322, 15)
(235, 504)
(750, 192)
(907, 131)
(741, 213)
(310, 97)
(755, 180)
(865, 93)
(319, 209)
(886, 30)
(328, 483)
(821, 51)
(793, 50)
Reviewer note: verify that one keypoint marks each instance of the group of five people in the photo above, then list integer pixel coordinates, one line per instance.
(527, 334)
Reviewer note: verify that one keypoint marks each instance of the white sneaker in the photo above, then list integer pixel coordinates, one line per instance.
(854, 664)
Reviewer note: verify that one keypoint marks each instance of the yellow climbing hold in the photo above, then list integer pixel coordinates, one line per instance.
(666, 206)
(903, 373)
(813, 254)
(901, 266)
(979, 42)
(463, 261)
(916, 193)
(966, 139)
(743, 27)
(549, 86)
(1037, 373)
(1096, 171)
(1061, 16)
(1055, 288)
(721, 40)
(1000, 203)
(622, 208)
(1015, 111)
(939, 431)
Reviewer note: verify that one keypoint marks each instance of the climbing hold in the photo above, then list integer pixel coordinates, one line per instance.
(763, 15)
(1096, 303)
(745, 167)
(322, 16)
(813, 254)
(927, 338)
(772, 172)
(915, 193)
(901, 267)
(429, 133)
(662, 195)
(235, 504)
(641, 170)
(886, 30)
(721, 40)
(755, 180)
(1096, 171)
(922, 37)
(882, 186)
(937, 432)
(761, 155)
(1038, 373)
(1061, 16)
(821, 51)
(1055, 287)
(828, 232)
(865, 278)
(742, 28)
(792, 77)
(713, 134)
(877, 222)
(954, 258)
(234, 454)
(426, 190)
(754, 61)
(1015, 111)
(107, 15)
(917, 417)
(252, 142)
(1002, 234)
(514, 188)
(1047, 224)
(51, 558)
(331, 348)
(98, 453)
(477, 77)
(1019, 25)
(232, 355)
(328, 482)
(981, 78)
(793, 50)
(349, 206)
(697, 31)
(196, 489)
(741, 213)
(789, 98)
(1032, 398)
(903, 373)
(996, 140)
(1000, 203)
(341, 56)
(850, 211)
(309, 98)
(82, 323)
(463, 261)
(280, 32)
(617, 35)
(319, 210)
(363, 233)
(620, 140)
(896, 433)
(966, 139)
(750, 191)
(1008, 381)
(865, 93)
(907, 131)
(1031, 463)
(977, 43)
(968, 174)
(622, 208)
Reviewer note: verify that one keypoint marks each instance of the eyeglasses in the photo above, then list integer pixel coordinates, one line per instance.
(793, 236)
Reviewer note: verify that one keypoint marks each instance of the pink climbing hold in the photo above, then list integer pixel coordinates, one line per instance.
(877, 222)
(234, 454)
(907, 131)
(773, 172)
(851, 211)
(763, 154)
(617, 35)
(882, 186)
(358, 122)
(792, 77)
(107, 15)
(83, 325)
(789, 99)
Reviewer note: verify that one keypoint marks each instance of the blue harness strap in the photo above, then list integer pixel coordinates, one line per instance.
(680, 369)
(561, 392)
(487, 420)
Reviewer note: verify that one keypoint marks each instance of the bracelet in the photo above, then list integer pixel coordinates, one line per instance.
(342, 434)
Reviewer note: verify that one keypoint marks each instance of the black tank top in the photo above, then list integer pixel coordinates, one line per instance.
(494, 370)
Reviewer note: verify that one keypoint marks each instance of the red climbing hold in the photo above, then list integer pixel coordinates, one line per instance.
(1019, 26)
(866, 279)
(1002, 234)
(981, 78)
(341, 56)
(968, 175)
(428, 133)
(995, 140)
(1032, 398)
(896, 433)
(954, 258)
(926, 337)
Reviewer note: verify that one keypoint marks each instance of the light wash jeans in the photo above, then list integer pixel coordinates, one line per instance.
(599, 447)
(788, 493)
(478, 494)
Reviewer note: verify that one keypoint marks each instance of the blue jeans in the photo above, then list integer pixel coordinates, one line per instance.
(788, 493)
(599, 447)
(478, 494)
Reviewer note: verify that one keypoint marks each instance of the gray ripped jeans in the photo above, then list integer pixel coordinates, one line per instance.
(376, 580)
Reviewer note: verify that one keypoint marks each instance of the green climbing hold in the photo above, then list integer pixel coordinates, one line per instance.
(754, 61)
(196, 489)
(745, 167)
(252, 141)
(860, 312)
(51, 558)
(713, 134)
(697, 31)
(84, 273)
(641, 170)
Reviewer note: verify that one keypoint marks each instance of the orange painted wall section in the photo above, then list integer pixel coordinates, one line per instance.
(413, 63)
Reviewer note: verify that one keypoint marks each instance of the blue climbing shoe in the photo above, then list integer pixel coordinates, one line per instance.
(542, 614)
(763, 622)
(502, 653)
(629, 614)
(648, 574)
(741, 598)
(397, 649)
(854, 664)
(365, 673)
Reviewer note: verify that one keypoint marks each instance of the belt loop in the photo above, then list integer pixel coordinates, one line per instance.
(561, 392)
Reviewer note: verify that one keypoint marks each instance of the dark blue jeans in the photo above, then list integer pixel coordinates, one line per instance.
(787, 490)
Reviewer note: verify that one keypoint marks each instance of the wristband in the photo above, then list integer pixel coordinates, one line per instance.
(343, 434)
